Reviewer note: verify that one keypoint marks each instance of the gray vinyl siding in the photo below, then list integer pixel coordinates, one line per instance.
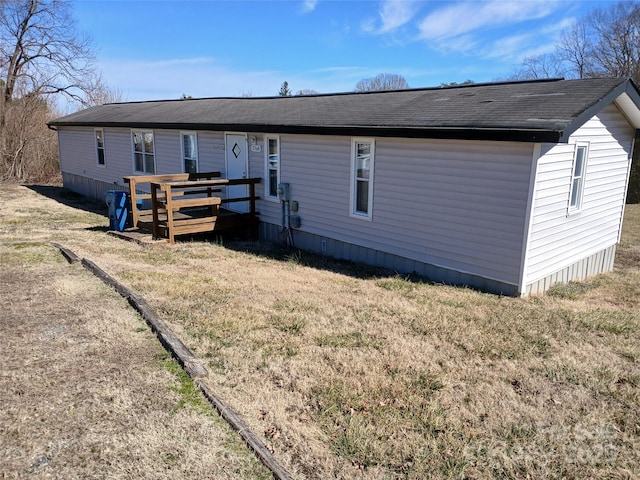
(211, 152)
(453, 204)
(167, 151)
(78, 153)
(559, 239)
(458, 204)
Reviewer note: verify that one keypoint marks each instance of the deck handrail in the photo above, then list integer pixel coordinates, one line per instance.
(163, 202)
(134, 180)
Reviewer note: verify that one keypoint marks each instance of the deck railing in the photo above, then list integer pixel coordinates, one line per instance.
(140, 215)
(183, 204)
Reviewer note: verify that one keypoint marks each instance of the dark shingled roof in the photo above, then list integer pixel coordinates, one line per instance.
(537, 111)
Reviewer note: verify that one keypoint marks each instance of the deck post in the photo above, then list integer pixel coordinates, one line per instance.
(166, 188)
(133, 198)
(253, 222)
(154, 208)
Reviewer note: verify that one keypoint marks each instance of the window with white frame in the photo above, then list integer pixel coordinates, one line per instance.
(100, 146)
(362, 158)
(577, 176)
(143, 152)
(189, 152)
(272, 154)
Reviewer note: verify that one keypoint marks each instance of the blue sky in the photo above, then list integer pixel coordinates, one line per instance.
(152, 49)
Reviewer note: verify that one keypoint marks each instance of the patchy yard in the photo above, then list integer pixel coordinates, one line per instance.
(86, 391)
(350, 372)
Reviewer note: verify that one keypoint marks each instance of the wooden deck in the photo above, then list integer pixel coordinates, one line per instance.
(182, 204)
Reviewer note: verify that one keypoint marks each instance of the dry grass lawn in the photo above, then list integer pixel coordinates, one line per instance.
(351, 372)
(86, 391)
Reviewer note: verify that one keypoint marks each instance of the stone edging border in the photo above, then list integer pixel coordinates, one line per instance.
(186, 359)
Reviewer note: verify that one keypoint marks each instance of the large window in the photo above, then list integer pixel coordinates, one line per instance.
(362, 156)
(143, 152)
(100, 146)
(272, 154)
(189, 152)
(577, 177)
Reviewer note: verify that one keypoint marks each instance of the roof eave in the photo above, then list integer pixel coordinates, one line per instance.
(444, 133)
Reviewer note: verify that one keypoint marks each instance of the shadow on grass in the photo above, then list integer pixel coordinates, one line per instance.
(98, 228)
(304, 258)
(236, 240)
(71, 199)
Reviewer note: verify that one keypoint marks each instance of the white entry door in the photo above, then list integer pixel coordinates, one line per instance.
(237, 160)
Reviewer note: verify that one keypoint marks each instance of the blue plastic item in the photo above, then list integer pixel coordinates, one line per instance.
(118, 210)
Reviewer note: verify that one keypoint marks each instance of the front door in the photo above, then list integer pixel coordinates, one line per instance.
(237, 161)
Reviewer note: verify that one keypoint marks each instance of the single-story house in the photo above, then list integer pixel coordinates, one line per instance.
(507, 187)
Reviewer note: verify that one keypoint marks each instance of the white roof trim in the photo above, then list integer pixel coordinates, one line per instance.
(629, 109)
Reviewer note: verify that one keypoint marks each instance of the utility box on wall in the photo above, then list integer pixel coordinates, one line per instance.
(284, 192)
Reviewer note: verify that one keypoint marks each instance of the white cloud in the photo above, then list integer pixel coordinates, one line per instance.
(393, 14)
(554, 29)
(513, 48)
(396, 13)
(533, 43)
(368, 25)
(468, 18)
(309, 6)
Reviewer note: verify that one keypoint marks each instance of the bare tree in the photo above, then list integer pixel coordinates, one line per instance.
(30, 147)
(574, 53)
(306, 91)
(541, 66)
(41, 51)
(102, 94)
(605, 43)
(457, 84)
(382, 81)
(41, 55)
(616, 40)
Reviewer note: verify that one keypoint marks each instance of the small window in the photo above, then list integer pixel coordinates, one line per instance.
(100, 146)
(362, 158)
(577, 176)
(272, 154)
(143, 152)
(190, 152)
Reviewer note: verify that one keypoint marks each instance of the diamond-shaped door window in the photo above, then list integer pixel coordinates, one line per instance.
(236, 150)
